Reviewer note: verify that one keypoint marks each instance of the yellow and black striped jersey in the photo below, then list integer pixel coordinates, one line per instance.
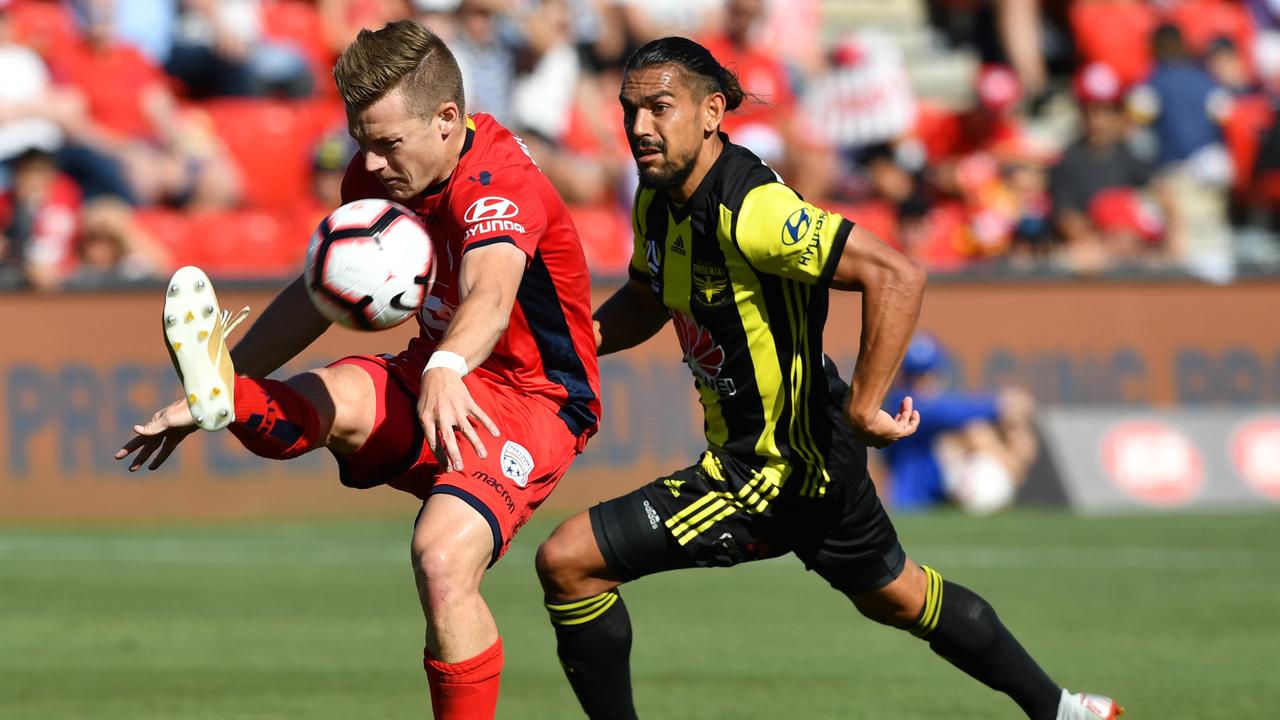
(743, 268)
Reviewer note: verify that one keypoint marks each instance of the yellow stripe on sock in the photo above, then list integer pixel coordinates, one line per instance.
(581, 611)
(935, 606)
(578, 608)
(576, 604)
(928, 621)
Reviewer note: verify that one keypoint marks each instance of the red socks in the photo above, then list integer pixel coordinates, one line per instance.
(467, 690)
(273, 420)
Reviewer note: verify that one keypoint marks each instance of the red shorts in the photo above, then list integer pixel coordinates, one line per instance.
(524, 465)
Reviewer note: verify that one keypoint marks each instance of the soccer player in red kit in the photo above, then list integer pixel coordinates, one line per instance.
(505, 346)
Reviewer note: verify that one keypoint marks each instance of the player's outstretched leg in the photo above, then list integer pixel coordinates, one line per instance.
(273, 419)
(964, 629)
(593, 629)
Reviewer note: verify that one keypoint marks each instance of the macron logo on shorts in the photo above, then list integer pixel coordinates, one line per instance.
(517, 463)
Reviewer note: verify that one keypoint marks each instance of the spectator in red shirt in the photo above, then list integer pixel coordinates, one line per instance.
(761, 123)
(130, 113)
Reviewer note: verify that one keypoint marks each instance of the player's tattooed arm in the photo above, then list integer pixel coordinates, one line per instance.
(489, 278)
(629, 317)
(892, 289)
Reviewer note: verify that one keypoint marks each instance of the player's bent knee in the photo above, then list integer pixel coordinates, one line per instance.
(558, 568)
(569, 565)
(897, 604)
(885, 612)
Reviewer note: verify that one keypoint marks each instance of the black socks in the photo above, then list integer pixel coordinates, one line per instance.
(593, 640)
(964, 629)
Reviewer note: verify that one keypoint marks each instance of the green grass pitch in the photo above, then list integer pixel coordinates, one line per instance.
(1178, 617)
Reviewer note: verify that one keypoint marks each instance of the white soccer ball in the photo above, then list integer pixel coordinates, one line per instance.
(370, 265)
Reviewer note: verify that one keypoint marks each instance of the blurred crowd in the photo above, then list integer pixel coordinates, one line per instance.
(1092, 136)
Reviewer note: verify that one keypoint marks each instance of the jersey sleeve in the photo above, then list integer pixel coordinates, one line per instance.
(779, 233)
(507, 209)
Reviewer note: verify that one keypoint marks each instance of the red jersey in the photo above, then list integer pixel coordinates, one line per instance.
(113, 80)
(496, 194)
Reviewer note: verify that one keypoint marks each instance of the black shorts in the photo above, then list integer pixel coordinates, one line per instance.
(710, 515)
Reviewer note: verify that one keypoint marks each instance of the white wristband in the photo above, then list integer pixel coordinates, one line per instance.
(446, 359)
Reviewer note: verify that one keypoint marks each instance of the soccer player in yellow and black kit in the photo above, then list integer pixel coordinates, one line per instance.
(742, 265)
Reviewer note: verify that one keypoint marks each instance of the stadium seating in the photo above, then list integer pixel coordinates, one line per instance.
(1115, 32)
(271, 141)
(1249, 117)
(606, 237)
(232, 244)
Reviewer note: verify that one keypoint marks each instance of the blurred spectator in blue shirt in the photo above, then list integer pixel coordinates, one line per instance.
(971, 449)
(1186, 108)
(1181, 98)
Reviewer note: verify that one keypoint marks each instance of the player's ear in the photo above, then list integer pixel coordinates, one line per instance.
(447, 116)
(712, 112)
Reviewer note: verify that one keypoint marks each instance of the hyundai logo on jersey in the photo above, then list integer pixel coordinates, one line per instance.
(796, 228)
(490, 208)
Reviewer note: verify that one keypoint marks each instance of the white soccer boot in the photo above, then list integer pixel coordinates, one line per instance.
(1083, 706)
(195, 331)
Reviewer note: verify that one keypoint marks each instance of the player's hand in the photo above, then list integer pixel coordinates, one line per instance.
(445, 407)
(162, 432)
(885, 429)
